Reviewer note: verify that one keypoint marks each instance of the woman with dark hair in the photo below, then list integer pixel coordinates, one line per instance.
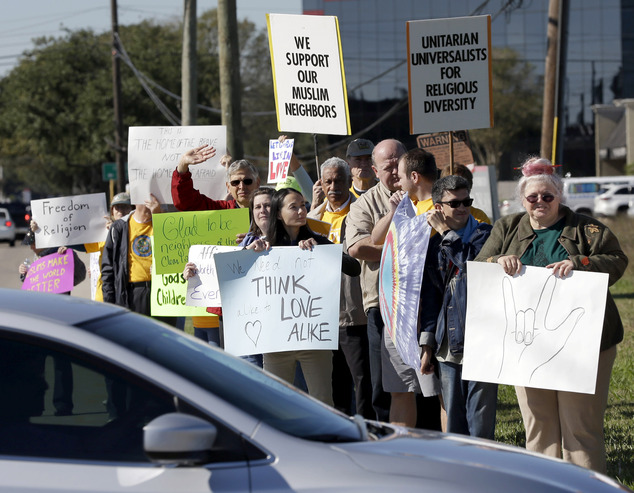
(287, 227)
(551, 235)
(259, 210)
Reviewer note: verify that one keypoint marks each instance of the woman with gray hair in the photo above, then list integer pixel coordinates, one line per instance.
(551, 235)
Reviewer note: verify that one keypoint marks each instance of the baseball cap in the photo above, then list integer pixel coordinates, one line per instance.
(360, 147)
(121, 198)
(290, 182)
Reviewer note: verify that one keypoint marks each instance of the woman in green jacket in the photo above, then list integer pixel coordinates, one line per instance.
(551, 235)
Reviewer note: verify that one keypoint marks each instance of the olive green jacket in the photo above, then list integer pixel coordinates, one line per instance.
(591, 247)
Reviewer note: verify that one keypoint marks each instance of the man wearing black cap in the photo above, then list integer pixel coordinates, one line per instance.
(359, 158)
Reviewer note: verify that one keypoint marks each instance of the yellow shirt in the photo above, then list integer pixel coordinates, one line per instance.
(140, 250)
(336, 221)
(97, 248)
(423, 206)
(480, 215)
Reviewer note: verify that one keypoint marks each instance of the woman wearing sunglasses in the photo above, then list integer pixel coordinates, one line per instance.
(551, 235)
(287, 227)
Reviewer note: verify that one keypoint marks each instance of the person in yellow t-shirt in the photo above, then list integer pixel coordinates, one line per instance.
(127, 259)
(119, 207)
(351, 361)
(359, 159)
(417, 174)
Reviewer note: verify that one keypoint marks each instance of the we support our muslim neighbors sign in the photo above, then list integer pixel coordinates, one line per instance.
(449, 73)
(308, 74)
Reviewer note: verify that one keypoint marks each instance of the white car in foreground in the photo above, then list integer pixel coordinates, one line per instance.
(155, 410)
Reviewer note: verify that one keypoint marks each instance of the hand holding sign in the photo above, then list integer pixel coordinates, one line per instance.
(530, 339)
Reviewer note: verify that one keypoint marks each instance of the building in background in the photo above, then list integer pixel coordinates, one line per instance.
(599, 69)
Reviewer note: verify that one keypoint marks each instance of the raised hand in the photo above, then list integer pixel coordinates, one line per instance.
(196, 155)
(532, 337)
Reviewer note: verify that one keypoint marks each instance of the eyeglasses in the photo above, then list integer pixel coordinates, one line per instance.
(246, 181)
(454, 204)
(546, 197)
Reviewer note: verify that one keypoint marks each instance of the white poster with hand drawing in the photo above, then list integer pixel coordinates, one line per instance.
(534, 329)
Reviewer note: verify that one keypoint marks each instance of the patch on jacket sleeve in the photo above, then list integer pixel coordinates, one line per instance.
(585, 261)
(591, 231)
(490, 259)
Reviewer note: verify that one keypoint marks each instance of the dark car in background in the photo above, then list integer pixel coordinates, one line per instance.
(21, 215)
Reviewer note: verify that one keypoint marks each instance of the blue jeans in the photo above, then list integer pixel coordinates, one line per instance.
(470, 406)
(380, 398)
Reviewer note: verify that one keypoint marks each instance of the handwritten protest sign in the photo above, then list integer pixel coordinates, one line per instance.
(449, 72)
(52, 274)
(534, 330)
(308, 74)
(279, 158)
(283, 299)
(153, 154)
(203, 288)
(71, 220)
(175, 232)
(169, 292)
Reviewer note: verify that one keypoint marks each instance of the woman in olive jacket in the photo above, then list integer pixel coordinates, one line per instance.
(551, 235)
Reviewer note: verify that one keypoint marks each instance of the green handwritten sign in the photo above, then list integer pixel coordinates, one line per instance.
(175, 232)
(169, 292)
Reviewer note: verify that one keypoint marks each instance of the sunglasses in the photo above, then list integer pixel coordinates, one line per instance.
(546, 197)
(246, 181)
(454, 204)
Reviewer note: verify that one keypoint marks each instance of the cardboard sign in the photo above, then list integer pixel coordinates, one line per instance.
(308, 74)
(534, 329)
(169, 292)
(449, 73)
(203, 288)
(53, 273)
(283, 299)
(438, 145)
(279, 159)
(71, 220)
(154, 152)
(176, 232)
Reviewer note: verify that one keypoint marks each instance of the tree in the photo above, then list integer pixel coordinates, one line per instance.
(516, 107)
(56, 105)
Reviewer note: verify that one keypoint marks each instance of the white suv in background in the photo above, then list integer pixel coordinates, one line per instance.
(614, 200)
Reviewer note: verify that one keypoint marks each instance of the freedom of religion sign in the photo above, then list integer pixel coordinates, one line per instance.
(449, 73)
(308, 74)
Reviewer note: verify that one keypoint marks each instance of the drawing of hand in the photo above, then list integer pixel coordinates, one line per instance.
(531, 337)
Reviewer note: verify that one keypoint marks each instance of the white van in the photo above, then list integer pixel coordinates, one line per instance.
(579, 193)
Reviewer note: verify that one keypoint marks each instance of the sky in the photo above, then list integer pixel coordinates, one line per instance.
(23, 20)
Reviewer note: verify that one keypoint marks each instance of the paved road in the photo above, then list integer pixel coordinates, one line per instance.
(11, 258)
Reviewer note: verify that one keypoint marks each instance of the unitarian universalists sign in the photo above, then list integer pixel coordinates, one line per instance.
(449, 72)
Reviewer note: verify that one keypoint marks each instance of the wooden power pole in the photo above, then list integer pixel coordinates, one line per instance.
(553, 121)
(230, 86)
(550, 80)
(116, 99)
(188, 67)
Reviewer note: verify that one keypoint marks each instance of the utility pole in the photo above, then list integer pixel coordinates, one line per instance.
(562, 58)
(553, 121)
(230, 86)
(550, 76)
(188, 65)
(116, 99)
